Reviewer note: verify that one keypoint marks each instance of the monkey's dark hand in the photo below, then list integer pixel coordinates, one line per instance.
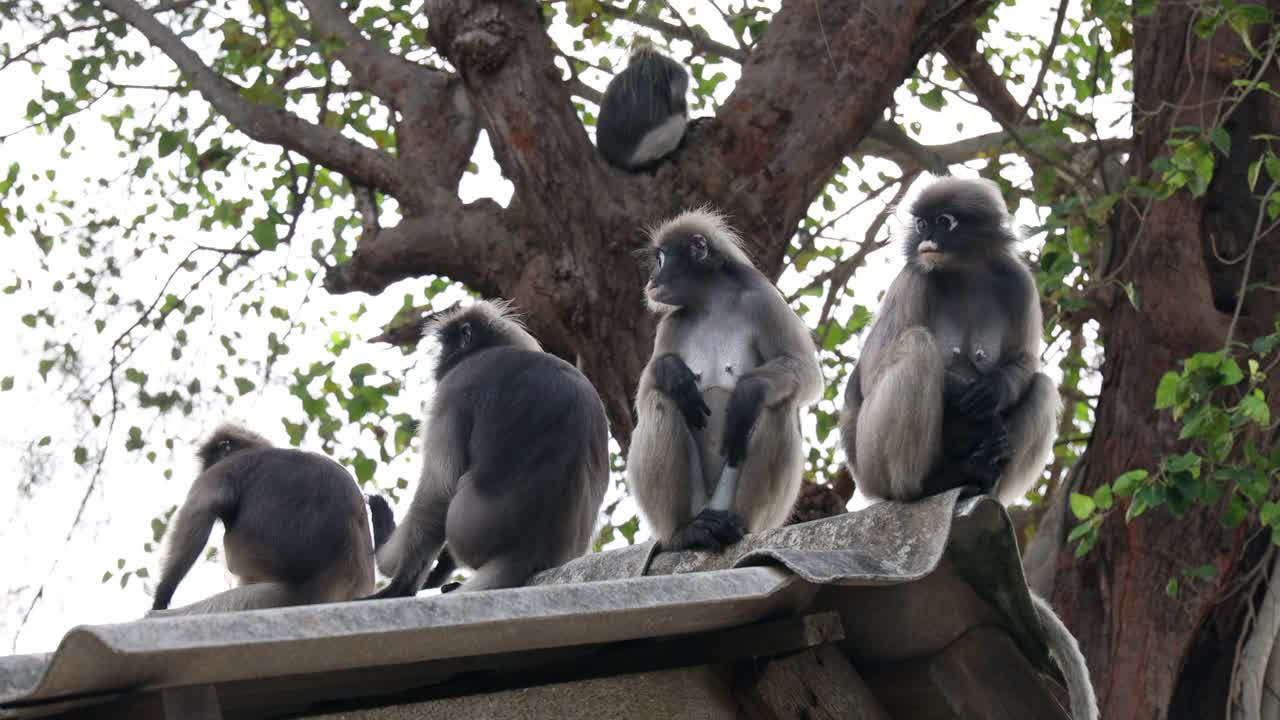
(981, 400)
(672, 376)
(740, 417)
(987, 462)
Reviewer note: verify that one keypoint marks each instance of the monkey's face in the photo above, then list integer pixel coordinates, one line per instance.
(954, 239)
(681, 266)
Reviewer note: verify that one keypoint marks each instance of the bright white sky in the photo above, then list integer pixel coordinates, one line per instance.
(131, 491)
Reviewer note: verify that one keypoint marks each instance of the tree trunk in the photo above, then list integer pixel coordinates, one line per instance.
(1153, 655)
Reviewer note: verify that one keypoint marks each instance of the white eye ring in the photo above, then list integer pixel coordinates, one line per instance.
(949, 219)
(921, 224)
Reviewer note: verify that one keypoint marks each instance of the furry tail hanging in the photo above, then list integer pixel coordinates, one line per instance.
(384, 523)
(1066, 653)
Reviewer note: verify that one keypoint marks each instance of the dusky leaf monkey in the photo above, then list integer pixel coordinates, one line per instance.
(644, 114)
(515, 458)
(947, 390)
(296, 531)
(717, 449)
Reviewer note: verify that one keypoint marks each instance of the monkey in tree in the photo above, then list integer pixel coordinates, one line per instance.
(296, 531)
(947, 391)
(643, 115)
(516, 458)
(717, 449)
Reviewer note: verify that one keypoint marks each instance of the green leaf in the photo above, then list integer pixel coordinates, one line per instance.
(1125, 485)
(1171, 589)
(1229, 373)
(264, 234)
(1221, 140)
(1272, 164)
(168, 142)
(244, 385)
(1254, 406)
(1254, 167)
(1167, 392)
(1082, 506)
(1235, 513)
(1079, 531)
(6, 383)
(1204, 360)
(1102, 497)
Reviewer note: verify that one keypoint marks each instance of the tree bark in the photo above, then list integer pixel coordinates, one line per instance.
(1152, 655)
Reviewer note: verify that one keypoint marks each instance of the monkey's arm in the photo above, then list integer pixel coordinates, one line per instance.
(790, 368)
(209, 497)
(789, 373)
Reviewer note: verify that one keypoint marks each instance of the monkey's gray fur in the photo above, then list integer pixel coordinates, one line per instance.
(947, 390)
(643, 115)
(958, 329)
(515, 458)
(717, 449)
(296, 531)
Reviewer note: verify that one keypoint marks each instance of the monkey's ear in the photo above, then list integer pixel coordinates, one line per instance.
(464, 331)
(698, 247)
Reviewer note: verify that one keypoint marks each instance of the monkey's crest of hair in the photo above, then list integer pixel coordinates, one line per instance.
(493, 322)
(709, 223)
(227, 439)
(974, 196)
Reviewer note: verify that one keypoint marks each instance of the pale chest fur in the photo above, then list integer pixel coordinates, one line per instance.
(718, 353)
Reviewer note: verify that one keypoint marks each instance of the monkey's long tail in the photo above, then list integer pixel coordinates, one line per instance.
(1066, 653)
(384, 521)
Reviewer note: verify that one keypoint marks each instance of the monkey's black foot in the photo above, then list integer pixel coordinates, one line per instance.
(449, 587)
(711, 530)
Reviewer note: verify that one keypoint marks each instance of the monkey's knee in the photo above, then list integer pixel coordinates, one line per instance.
(1033, 426)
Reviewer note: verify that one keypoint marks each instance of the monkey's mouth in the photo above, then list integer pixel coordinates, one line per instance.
(929, 250)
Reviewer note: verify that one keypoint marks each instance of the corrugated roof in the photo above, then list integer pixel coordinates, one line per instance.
(601, 598)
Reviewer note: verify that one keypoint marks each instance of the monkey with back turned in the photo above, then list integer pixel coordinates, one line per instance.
(296, 531)
(644, 114)
(516, 459)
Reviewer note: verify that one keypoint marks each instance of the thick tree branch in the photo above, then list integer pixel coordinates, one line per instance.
(468, 243)
(961, 50)
(804, 103)
(507, 63)
(265, 123)
(373, 68)
(437, 130)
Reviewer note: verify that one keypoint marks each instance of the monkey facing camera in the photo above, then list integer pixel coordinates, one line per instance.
(515, 459)
(643, 115)
(947, 391)
(717, 450)
(323, 554)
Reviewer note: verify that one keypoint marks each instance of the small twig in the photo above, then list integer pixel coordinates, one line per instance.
(1046, 61)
